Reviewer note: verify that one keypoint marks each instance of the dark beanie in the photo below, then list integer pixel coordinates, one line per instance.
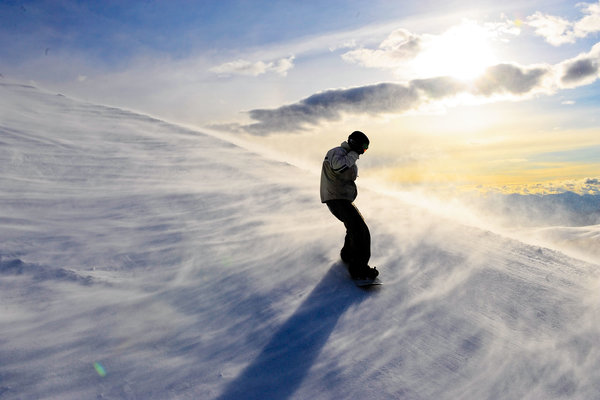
(358, 137)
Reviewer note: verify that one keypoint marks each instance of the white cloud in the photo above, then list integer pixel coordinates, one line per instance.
(591, 22)
(558, 31)
(461, 48)
(502, 30)
(399, 46)
(349, 44)
(254, 68)
(283, 65)
(555, 30)
(462, 51)
(503, 80)
(498, 82)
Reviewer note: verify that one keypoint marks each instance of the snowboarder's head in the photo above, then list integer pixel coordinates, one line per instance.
(358, 141)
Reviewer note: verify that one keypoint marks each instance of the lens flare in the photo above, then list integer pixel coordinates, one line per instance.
(99, 369)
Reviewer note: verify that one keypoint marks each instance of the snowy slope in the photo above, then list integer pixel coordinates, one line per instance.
(565, 221)
(141, 260)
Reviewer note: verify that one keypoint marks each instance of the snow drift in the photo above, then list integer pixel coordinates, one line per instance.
(142, 260)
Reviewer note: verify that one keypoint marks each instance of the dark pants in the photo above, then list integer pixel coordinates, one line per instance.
(357, 245)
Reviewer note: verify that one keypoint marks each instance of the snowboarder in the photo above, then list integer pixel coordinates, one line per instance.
(338, 191)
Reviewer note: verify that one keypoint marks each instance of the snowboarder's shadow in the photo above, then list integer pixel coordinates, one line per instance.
(283, 363)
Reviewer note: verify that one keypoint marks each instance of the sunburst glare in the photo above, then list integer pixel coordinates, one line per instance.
(462, 52)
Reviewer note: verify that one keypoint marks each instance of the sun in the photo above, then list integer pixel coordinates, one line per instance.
(463, 52)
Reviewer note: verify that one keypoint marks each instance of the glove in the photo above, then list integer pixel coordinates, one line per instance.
(352, 157)
(356, 147)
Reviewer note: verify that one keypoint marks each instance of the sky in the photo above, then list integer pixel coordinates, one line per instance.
(460, 93)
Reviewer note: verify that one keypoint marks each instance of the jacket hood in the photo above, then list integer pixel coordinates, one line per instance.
(347, 147)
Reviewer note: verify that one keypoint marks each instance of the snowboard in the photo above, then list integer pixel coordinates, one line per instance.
(367, 282)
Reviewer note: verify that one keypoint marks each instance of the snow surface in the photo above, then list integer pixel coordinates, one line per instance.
(143, 260)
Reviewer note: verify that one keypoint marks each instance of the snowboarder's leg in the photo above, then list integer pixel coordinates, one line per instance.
(357, 244)
(347, 253)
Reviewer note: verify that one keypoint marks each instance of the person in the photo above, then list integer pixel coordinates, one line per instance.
(338, 192)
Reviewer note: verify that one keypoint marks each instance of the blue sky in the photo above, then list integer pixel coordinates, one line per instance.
(115, 29)
(471, 92)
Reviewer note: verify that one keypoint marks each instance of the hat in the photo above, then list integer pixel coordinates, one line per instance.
(359, 141)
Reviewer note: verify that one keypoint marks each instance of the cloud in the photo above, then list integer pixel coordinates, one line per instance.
(580, 70)
(397, 98)
(399, 46)
(511, 79)
(256, 68)
(591, 22)
(592, 181)
(498, 82)
(501, 81)
(501, 30)
(583, 69)
(330, 104)
(555, 30)
(558, 31)
(462, 49)
(349, 44)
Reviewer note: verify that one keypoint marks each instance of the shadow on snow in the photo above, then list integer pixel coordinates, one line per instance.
(282, 365)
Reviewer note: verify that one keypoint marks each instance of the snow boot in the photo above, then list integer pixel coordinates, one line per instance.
(363, 272)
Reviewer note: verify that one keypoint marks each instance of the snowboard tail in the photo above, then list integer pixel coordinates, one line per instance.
(367, 282)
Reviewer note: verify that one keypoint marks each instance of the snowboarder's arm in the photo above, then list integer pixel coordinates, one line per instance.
(340, 161)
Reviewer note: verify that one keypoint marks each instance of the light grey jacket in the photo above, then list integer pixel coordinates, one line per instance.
(339, 173)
